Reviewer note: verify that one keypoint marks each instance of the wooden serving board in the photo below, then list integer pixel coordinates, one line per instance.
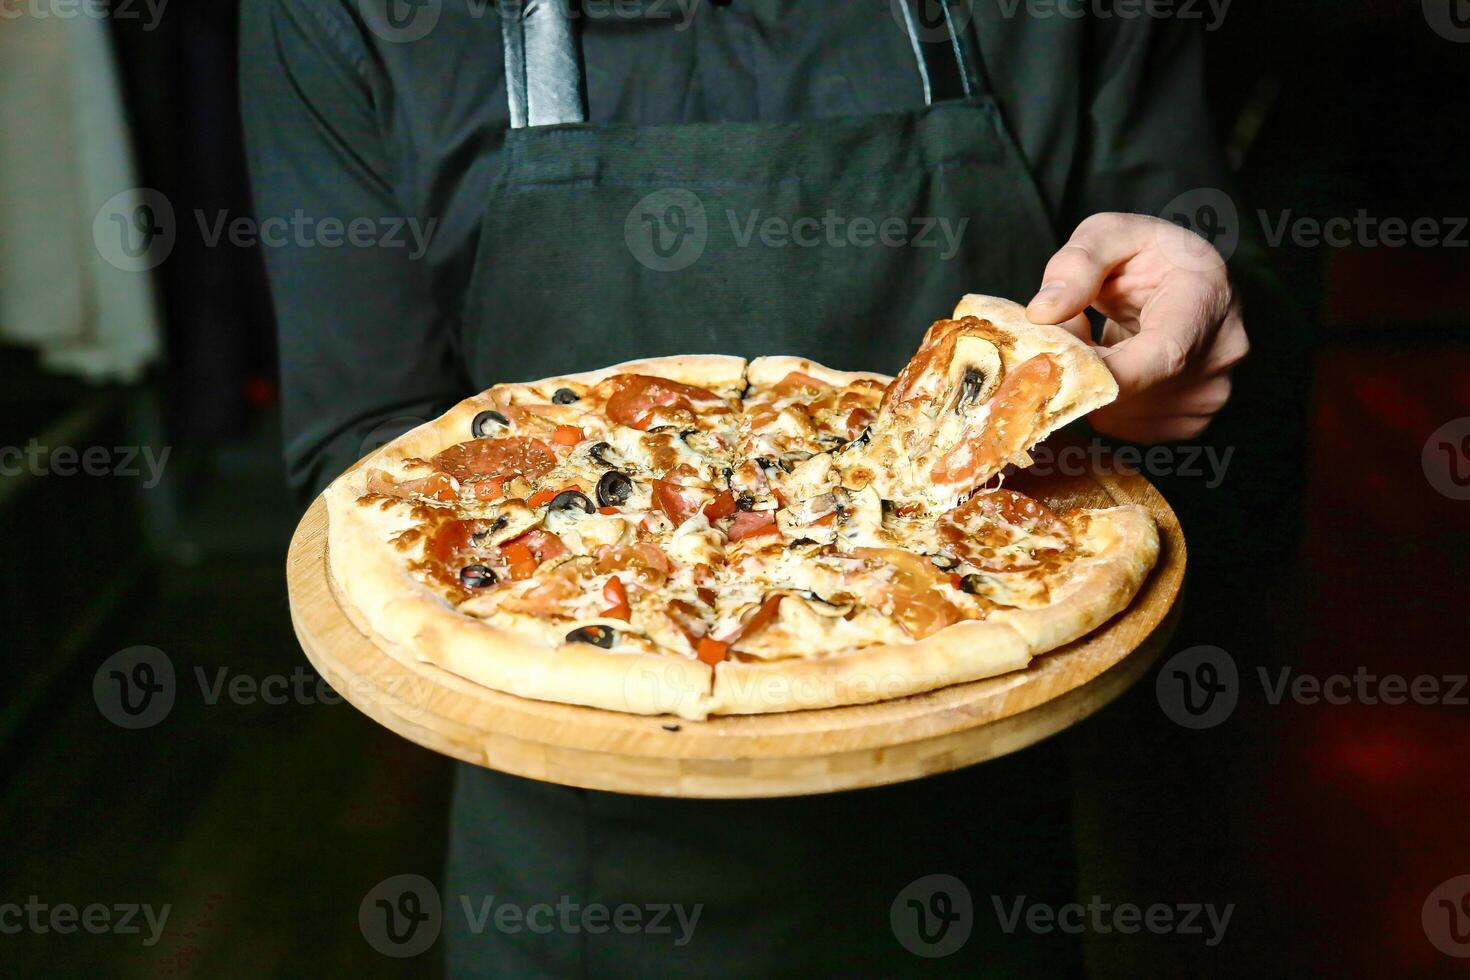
(745, 756)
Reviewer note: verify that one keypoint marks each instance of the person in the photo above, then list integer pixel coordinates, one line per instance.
(752, 177)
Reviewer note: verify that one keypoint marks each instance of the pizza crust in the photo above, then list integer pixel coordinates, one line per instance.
(763, 372)
(967, 651)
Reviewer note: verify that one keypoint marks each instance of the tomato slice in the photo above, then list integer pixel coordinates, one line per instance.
(711, 651)
(757, 620)
(617, 597)
(567, 435)
(722, 506)
(515, 554)
(752, 523)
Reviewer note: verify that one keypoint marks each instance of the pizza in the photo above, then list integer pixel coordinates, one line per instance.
(705, 535)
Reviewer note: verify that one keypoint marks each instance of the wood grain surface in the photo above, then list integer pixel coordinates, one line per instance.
(746, 756)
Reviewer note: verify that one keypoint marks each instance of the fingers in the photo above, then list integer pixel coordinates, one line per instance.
(1174, 327)
(1167, 415)
(1075, 274)
(1079, 326)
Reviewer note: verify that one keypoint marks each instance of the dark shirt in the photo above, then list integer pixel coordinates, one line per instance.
(344, 123)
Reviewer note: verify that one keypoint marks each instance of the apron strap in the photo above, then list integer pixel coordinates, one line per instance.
(544, 81)
(948, 57)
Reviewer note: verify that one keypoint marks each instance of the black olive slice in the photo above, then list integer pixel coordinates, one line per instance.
(598, 636)
(614, 489)
(889, 508)
(476, 577)
(477, 427)
(565, 396)
(944, 562)
(596, 453)
(745, 502)
(972, 584)
(568, 499)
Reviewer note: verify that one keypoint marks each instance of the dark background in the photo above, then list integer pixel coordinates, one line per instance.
(264, 825)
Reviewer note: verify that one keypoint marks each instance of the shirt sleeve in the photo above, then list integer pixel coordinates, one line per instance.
(365, 352)
(1147, 132)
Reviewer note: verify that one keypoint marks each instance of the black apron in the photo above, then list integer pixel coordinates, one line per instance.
(839, 239)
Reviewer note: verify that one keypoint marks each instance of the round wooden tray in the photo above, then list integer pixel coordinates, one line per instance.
(745, 756)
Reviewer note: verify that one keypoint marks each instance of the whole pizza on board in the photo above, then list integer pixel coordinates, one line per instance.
(704, 535)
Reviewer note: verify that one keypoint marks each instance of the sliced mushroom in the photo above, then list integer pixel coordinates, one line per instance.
(605, 455)
(974, 373)
(511, 520)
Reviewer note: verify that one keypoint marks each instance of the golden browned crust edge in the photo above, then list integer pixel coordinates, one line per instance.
(765, 371)
(966, 651)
